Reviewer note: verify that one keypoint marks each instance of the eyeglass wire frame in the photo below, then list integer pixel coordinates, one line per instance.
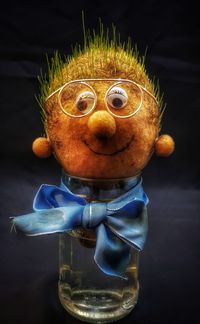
(118, 82)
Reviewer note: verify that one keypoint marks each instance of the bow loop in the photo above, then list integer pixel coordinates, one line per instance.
(94, 214)
(49, 196)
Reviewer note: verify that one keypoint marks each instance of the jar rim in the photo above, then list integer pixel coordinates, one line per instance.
(101, 179)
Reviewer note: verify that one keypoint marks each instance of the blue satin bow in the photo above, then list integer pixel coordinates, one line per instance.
(120, 224)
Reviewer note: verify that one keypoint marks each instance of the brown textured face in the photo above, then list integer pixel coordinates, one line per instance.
(100, 145)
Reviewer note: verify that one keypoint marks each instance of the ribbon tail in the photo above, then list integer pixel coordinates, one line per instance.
(49, 221)
(112, 255)
(132, 226)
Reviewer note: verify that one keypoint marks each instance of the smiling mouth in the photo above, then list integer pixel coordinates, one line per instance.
(125, 147)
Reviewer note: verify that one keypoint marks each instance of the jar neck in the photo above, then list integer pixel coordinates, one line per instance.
(99, 189)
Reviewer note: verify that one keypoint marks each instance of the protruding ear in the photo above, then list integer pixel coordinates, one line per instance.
(41, 147)
(164, 145)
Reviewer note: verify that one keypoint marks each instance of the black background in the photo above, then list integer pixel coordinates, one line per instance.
(170, 263)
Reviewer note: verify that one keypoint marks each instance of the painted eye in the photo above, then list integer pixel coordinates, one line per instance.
(117, 98)
(85, 101)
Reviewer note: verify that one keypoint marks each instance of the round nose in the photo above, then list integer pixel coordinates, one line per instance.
(102, 124)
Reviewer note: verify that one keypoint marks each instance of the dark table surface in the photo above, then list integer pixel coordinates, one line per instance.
(170, 263)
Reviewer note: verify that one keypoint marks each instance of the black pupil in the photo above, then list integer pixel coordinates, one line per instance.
(117, 103)
(82, 105)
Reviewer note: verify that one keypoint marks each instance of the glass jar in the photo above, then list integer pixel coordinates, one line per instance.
(85, 291)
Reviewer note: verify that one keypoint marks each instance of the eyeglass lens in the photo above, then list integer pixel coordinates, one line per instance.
(78, 99)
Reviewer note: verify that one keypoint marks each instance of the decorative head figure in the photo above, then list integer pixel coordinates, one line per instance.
(101, 112)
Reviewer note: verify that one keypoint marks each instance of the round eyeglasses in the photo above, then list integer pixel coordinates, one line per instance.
(123, 98)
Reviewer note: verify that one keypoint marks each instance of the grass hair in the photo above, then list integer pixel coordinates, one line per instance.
(103, 54)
